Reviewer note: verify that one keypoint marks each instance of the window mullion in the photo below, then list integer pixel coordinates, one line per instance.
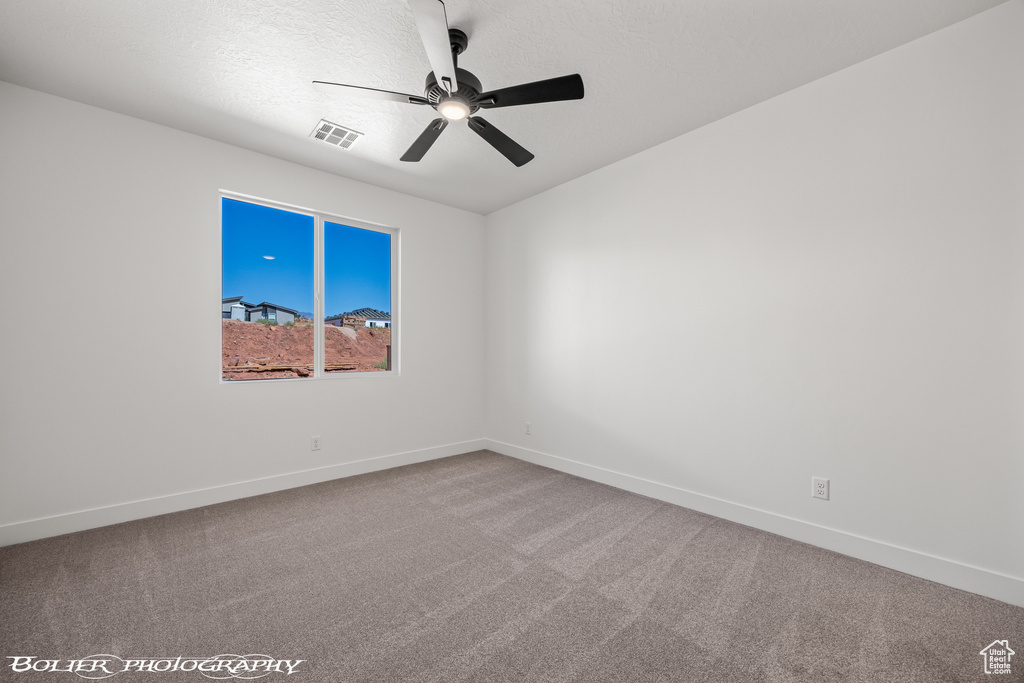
(318, 296)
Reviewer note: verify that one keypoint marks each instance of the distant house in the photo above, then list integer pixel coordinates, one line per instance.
(371, 317)
(344, 320)
(236, 309)
(273, 312)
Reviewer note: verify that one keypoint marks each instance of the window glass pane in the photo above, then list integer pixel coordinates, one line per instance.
(357, 299)
(267, 292)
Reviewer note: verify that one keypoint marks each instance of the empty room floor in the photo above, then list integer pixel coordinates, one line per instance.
(481, 567)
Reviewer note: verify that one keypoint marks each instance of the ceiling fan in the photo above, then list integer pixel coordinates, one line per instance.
(456, 93)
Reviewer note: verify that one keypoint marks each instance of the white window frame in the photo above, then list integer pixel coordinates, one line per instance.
(319, 218)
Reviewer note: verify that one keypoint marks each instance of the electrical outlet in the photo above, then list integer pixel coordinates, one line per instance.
(314, 443)
(819, 488)
(529, 429)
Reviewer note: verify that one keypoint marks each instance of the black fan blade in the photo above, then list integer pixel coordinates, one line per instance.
(551, 90)
(432, 22)
(512, 150)
(425, 140)
(371, 93)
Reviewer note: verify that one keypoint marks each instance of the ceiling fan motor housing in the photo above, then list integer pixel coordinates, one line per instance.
(468, 92)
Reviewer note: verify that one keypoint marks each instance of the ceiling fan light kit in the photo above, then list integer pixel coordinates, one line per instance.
(453, 109)
(457, 94)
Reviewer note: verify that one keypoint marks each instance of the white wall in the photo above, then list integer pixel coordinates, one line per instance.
(837, 279)
(102, 212)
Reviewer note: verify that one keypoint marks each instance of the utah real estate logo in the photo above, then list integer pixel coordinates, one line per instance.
(997, 657)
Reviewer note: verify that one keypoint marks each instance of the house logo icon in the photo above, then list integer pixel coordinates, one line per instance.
(997, 657)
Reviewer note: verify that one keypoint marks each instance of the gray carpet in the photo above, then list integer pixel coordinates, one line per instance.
(484, 568)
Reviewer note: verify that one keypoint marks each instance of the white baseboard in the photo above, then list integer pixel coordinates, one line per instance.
(44, 527)
(941, 570)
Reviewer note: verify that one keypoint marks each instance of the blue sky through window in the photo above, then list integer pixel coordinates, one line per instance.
(268, 256)
(357, 267)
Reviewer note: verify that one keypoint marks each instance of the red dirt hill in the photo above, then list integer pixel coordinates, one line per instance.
(289, 349)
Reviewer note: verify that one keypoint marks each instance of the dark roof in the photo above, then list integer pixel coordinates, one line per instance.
(369, 313)
(280, 308)
(365, 313)
(238, 299)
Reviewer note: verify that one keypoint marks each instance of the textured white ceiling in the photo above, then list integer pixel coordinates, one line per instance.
(240, 71)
